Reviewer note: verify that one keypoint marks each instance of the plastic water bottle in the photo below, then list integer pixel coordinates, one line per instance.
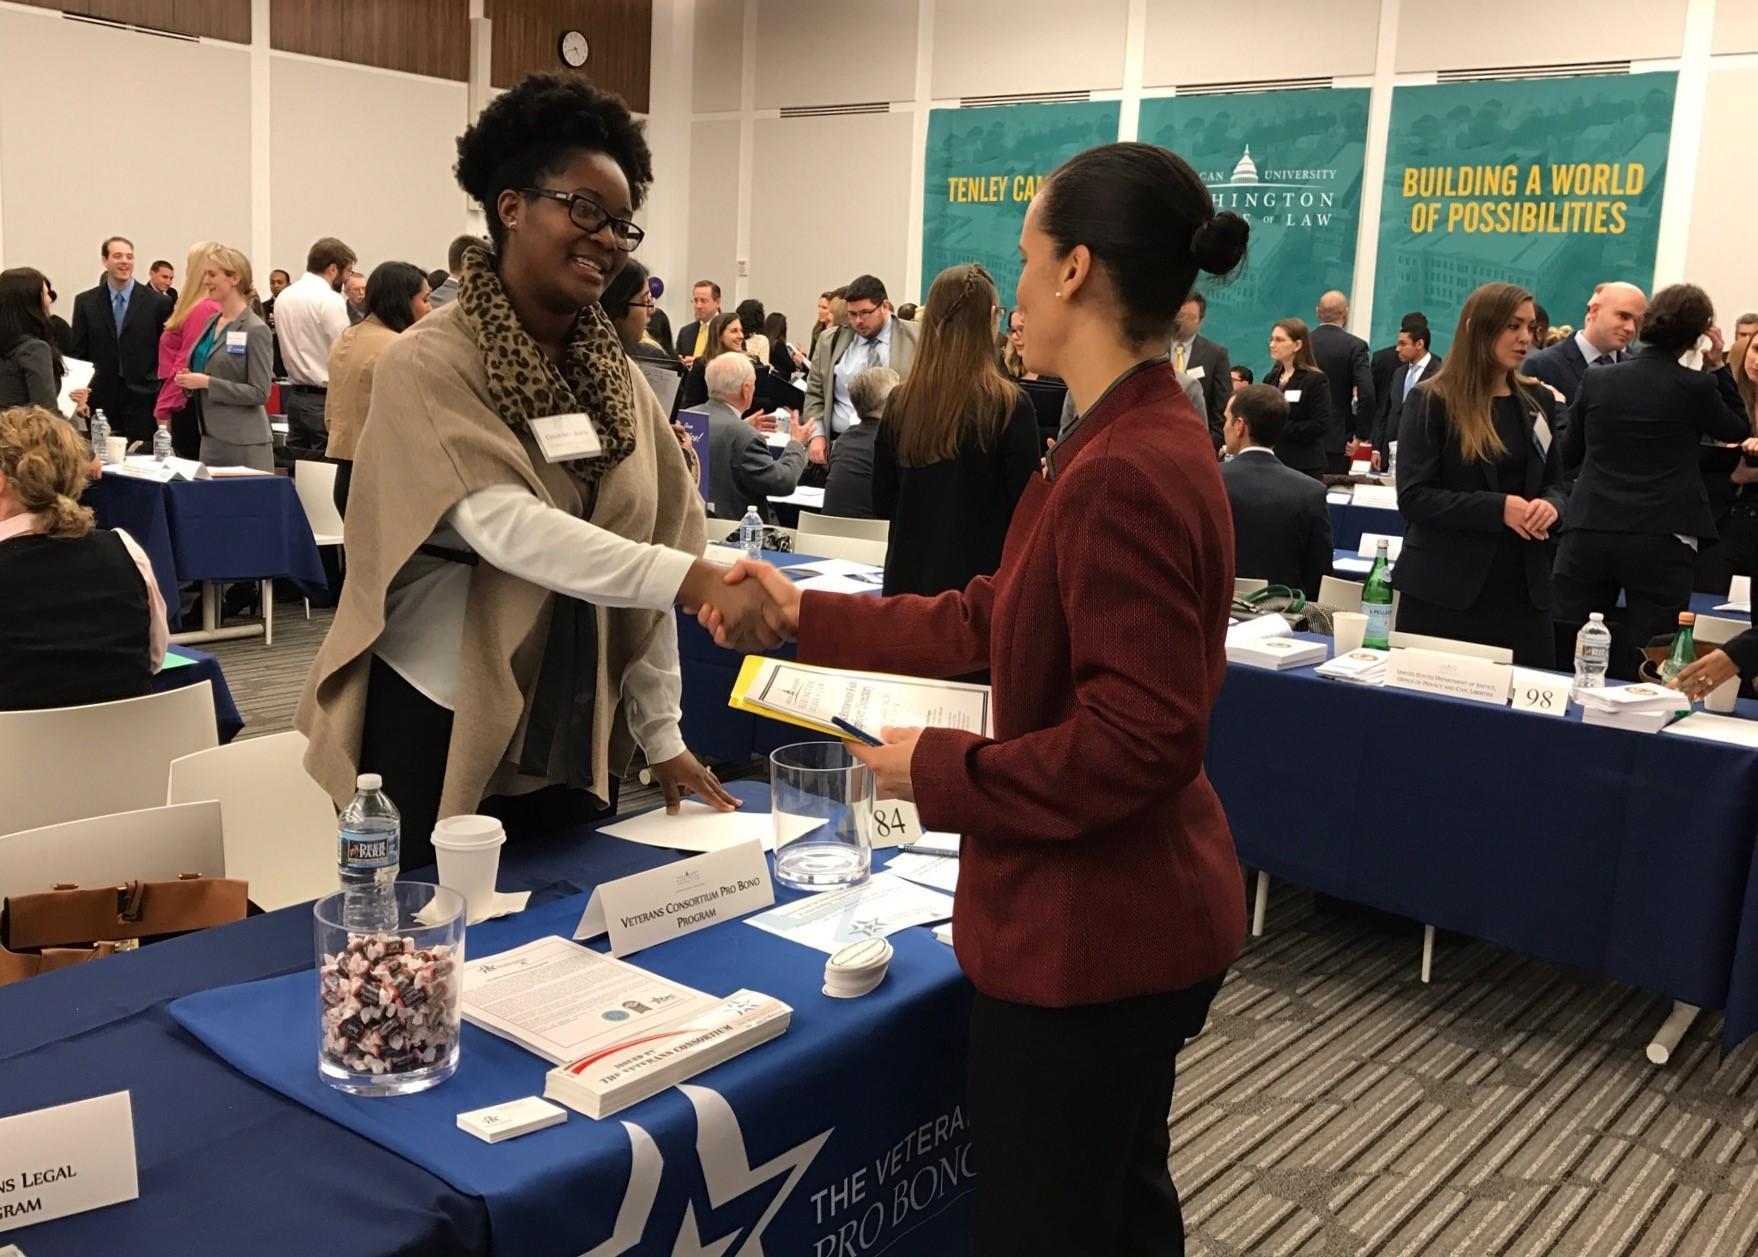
(1592, 655)
(100, 436)
(751, 533)
(367, 849)
(162, 442)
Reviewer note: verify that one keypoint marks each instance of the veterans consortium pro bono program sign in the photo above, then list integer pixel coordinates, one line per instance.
(1552, 184)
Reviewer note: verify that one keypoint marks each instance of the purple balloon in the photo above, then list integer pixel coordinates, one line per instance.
(656, 286)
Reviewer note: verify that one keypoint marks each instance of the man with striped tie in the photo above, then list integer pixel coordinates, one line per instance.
(872, 339)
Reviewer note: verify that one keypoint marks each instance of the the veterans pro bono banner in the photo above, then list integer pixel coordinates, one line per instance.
(1552, 184)
(1290, 163)
(983, 168)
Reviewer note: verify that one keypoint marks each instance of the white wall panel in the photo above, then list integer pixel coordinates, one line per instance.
(364, 155)
(719, 54)
(1000, 47)
(828, 215)
(1720, 256)
(1736, 26)
(1439, 35)
(714, 225)
(834, 52)
(77, 166)
(1269, 39)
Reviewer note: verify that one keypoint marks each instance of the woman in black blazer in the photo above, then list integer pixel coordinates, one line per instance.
(1478, 486)
(1639, 509)
(1308, 394)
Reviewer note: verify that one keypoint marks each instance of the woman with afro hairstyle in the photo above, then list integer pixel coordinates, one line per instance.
(521, 519)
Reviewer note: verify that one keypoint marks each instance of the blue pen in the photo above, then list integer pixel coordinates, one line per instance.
(855, 731)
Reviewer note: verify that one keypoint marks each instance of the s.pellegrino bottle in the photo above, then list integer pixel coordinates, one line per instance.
(1376, 601)
(751, 533)
(367, 850)
(1684, 651)
(1592, 655)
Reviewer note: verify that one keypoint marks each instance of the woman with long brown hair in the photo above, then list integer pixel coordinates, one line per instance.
(1478, 486)
(956, 447)
(1308, 394)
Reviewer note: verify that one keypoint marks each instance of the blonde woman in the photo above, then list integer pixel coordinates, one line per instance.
(81, 619)
(191, 314)
(231, 366)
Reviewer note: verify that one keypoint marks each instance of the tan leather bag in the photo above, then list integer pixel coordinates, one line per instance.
(68, 925)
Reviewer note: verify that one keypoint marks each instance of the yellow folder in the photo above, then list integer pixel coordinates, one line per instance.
(739, 701)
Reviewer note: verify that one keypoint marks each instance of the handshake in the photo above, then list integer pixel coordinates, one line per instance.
(748, 607)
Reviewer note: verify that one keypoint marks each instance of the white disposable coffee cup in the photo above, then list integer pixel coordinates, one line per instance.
(116, 449)
(1350, 627)
(1722, 697)
(468, 851)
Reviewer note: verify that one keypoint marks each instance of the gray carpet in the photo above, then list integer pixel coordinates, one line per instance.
(1336, 1107)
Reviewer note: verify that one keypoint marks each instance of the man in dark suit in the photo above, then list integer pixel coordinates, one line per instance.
(116, 328)
(162, 276)
(1416, 364)
(1614, 316)
(1201, 359)
(1343, 359)
(741, 471)
(1281, 525)
(693, 336)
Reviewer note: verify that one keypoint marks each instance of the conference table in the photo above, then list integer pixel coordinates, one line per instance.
(186, 666)
(233, 528)
(848, 1129)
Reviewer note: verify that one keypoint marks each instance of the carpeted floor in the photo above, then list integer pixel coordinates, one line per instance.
(1337, 1107)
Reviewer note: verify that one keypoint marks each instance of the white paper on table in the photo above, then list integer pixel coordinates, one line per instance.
(1369, 546)
(841, 585)
(725, 555)
(1743, 608)
(838, 567)
(1338, 497)
(880, 906)
(944, 933)
(1256, 630)
(1383, 496)
(75, 373)
(938, 871)
(869, 700)
(1363, 566)
(1709, 727)
(698, 827)
(220, 473)
(804, 495)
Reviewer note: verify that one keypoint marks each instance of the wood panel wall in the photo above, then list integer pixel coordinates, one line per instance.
(527, 34)
(430, 37)
(215, 19)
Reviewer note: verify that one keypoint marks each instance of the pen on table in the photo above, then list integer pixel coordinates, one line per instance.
(942, 853)
(855, 731)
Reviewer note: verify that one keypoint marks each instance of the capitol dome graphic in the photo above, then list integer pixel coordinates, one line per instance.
(1246, 170)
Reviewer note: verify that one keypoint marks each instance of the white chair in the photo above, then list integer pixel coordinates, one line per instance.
(1447, 646)
(825, 546)
(69, 763)
(1339, 595)
(152, 844)
(816, 525)
(315, 483)
(280, 826)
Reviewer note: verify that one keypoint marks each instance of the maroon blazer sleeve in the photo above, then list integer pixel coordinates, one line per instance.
(1139, 689)
(944, 636)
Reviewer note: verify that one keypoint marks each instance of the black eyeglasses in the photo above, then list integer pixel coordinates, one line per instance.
(591, 217)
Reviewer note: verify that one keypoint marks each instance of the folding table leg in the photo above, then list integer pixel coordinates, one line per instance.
(1262, 905)
(1666, 1039)
(267, 592)
(1427, 952)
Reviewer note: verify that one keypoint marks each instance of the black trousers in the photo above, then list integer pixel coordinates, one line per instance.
(406, 740)
(186, 428)
(130, 413)
(307, 436)
(1735, 554)
(1337, 463)
(344, 479)
(1654, 572)
(1069, 1111)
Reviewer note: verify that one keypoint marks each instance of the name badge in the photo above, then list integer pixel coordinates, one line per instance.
(66, 1160)
(678, 898)
(237, 342)
(1293, 395)
(1195, 373)
(563, 438)
(1541, 434)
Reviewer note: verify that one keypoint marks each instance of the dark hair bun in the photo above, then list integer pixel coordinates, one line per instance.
(1218, 245)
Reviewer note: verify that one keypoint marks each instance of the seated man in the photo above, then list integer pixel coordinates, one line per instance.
(849, 491)
(1281, 525)
(741, 471)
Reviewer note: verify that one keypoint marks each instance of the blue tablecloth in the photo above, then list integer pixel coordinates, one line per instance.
(203, 667)
(230, 1166)
(233, 529)
(1631, 855)
(1349, 522)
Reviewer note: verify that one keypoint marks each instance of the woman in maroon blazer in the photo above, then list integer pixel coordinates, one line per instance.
(1099, 896)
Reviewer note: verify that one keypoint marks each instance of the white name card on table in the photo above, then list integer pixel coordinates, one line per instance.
(1545, 693)
(1361, 467)
(1369, 547)
(1384, 496)
(66, 1160)
(1454, 676)
(679, 898)
(896, 823)
(1339, 497)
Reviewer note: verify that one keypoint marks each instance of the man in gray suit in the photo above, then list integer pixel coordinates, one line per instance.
(872, 339)
(741, 471)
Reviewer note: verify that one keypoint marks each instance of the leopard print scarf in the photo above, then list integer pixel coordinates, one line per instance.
(593, 378)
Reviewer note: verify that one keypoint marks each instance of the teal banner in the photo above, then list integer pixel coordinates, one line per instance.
(983, 168)
(1290, 163)
(1552, 184)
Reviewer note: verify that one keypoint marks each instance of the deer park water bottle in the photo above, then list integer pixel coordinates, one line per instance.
(368, 842)
(99, 431)
(162, 441)
(751, 533)
(1592, 655)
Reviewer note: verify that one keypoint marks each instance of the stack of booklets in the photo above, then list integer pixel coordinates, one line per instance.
(1646, 707)
(1268, 642)
(1361, 666)
(619, 1033)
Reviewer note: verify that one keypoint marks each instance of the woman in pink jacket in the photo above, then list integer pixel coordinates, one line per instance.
(175, 406)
